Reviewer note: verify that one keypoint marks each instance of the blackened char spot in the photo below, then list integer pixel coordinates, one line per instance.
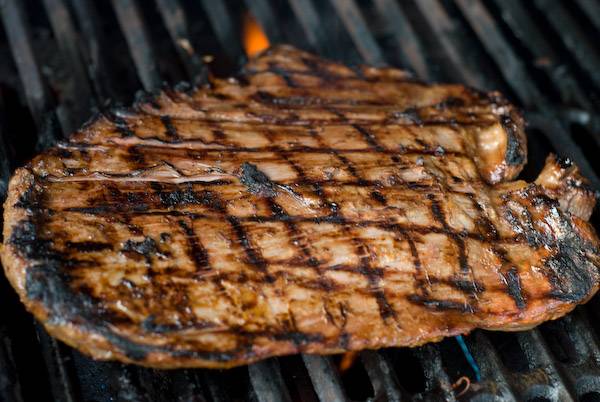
(466, 285)
(513, 286)
(564, 162)
(380, 198)
(147, 248)
(256, 181)
(514, 150)
(179, 197)
(88, 246)
(440, 304)
(573, 275)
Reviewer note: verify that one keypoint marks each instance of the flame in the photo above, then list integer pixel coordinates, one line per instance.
(255, 40)
(347, 361)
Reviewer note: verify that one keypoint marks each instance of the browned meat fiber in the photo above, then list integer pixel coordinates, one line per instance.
(303, 206)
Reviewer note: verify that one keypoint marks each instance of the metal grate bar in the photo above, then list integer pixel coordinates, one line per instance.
(592, 10)
(36, 93)
(267, 381)
(446, 32)
(10, 388)
(4, 162)
(66, 39)
(510, 65)
(175, 20)
(216, 392)
(56, 357)
(263, 11)
(573, 38)
(436, 378)
(306, 13)
(581, 368)
(406, 38)
(515, 16)
(93, 45)
(224, 28)
(325, 378)
(137, 38)
(383, 377)
(539, 357)
(359, 31)
(490, 366)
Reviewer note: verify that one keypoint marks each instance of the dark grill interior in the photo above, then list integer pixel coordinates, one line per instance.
(63, 59)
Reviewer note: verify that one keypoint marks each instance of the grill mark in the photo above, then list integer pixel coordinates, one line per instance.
(380, 198)
(465, 269)
(333, 218)
(441, 304)
(253, 255)
(324, 149)
(196, 250)
(280, 213)
(396, 184)
(385, 310)
(510, 274)
(369, 137)
(316, 70)
(121, 125)
(170, 129)
(88, 246)
(293, 101)
(421, 275)
(349, 166)
(295, 121)
(283, 73)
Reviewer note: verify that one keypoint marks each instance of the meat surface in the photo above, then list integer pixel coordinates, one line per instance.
(303, 206)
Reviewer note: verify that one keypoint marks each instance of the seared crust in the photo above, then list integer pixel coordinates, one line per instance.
(161, 236)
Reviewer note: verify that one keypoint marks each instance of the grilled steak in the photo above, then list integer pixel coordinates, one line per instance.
(303, 206)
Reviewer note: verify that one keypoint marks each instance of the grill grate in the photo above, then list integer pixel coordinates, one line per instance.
(62, 58)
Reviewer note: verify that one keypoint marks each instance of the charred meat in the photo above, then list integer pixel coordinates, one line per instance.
(303, 206)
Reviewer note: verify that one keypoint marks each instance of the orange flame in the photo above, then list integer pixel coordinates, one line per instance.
(255, 40)
(347, 361)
